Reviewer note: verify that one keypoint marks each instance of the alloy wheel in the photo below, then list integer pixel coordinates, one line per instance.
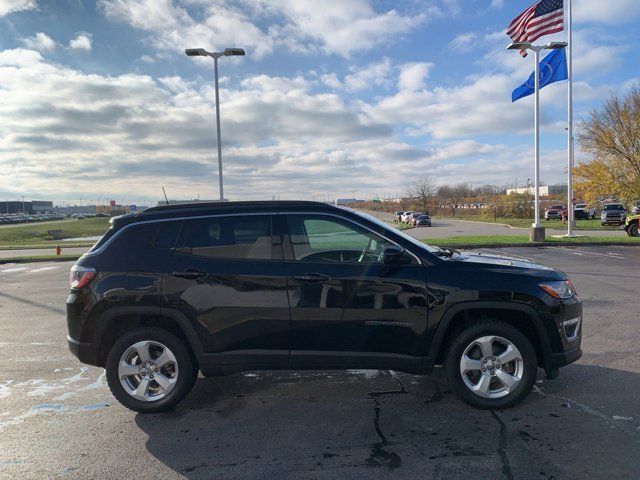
(148, 371)
(491, 366)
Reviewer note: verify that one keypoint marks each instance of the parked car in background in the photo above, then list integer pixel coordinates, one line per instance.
(397, 217)
(553, 212)
(405, 216)
(613, 214)
(631, 225)
(423, 221)
(636, 207)
(411, 220)
(583, 211)
(220, 288)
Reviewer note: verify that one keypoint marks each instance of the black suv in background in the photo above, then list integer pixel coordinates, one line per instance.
(226, 287)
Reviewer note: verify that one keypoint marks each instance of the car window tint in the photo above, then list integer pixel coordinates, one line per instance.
(228, 237)
(135, 238)
(166, 235)
(331, 240)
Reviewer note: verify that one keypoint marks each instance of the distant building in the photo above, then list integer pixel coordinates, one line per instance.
(396, 200)
(347, 201)
(34, 207)
(544, 191)
(69, 209)
(41, 206)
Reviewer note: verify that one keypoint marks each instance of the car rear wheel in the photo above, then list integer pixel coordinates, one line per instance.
(491, 365)
(150, 370)
(632, 231)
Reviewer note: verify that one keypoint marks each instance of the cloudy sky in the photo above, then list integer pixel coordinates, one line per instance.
(98, 100)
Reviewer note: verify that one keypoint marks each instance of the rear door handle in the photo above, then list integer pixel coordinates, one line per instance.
(189, 274)
(311, 278)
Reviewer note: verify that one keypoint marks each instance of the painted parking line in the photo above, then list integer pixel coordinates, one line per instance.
(28, 269)
(575, 251)
(43, 269)
(13, 269)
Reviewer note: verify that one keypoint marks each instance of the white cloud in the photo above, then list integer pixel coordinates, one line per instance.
(412, 76)
(608, 12)
(40, 41)
(81, 42)
(12, 6)
(497, 3)
(310, 26)
(331, 80)
(344, 28)
(464, 42)
(374, 74)
(19, 57)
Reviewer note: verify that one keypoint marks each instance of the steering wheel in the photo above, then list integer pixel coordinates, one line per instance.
(365, 253)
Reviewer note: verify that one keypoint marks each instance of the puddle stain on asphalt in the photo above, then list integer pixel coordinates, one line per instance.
(40, 388)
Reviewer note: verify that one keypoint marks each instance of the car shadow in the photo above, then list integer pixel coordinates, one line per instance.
(327, 424)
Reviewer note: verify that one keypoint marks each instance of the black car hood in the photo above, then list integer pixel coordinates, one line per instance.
(501, 260)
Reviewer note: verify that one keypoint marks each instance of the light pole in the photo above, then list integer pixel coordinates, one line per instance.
(228, 52)
(537, 230)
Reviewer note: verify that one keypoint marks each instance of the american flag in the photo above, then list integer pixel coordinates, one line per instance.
(542, 18)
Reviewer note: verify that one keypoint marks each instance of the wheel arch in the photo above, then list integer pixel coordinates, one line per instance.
(119, 320)
(521, 316)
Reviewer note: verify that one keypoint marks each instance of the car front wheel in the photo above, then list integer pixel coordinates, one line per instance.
(150, 370)
(491, 365)
(632, 231)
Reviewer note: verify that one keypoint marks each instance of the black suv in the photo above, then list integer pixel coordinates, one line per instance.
(226, 287)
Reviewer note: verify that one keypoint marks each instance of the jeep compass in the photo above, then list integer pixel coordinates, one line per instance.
(225, 287)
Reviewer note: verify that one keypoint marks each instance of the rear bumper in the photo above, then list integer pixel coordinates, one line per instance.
(85, 352)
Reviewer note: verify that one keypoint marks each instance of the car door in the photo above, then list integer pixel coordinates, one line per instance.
(348, 308)
(227, 276)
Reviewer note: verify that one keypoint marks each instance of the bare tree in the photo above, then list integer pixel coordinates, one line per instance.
(454, 195)
(422, 193)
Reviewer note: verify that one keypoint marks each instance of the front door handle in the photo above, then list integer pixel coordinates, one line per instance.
(311, 278)
(189, 274)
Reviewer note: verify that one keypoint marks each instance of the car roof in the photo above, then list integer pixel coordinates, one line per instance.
(204, 208)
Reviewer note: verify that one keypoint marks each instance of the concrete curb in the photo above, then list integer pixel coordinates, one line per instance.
(537, 244)
(61, 258)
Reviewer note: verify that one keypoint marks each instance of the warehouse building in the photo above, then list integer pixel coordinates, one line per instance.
(34, 207)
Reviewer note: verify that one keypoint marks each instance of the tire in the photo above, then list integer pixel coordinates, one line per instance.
(496, 396)
(632, 231)
(154, 341)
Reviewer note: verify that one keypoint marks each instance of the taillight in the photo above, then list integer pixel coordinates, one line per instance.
(80, 276)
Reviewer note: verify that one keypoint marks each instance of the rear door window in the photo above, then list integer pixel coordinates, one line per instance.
(235, 237)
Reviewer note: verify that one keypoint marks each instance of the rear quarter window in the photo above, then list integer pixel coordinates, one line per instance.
(143, 237)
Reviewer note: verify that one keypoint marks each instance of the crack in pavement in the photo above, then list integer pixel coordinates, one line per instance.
(379, 456)
(502, 447)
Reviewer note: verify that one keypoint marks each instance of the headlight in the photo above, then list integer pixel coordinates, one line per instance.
(560, 289)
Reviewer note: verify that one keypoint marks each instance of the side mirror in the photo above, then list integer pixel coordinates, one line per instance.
(394, 255)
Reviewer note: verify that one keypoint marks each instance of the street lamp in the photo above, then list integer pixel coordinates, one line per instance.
(228, 52)
(537, 230)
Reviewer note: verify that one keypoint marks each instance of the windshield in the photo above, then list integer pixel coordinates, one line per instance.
(409, 238)
(613, 206)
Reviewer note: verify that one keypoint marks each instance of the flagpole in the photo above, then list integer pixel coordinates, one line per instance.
(570, 211)
(536, 142)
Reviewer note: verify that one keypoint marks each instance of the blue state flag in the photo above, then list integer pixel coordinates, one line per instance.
(553, 68)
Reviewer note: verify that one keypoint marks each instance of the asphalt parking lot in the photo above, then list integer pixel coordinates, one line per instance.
(58, 419)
